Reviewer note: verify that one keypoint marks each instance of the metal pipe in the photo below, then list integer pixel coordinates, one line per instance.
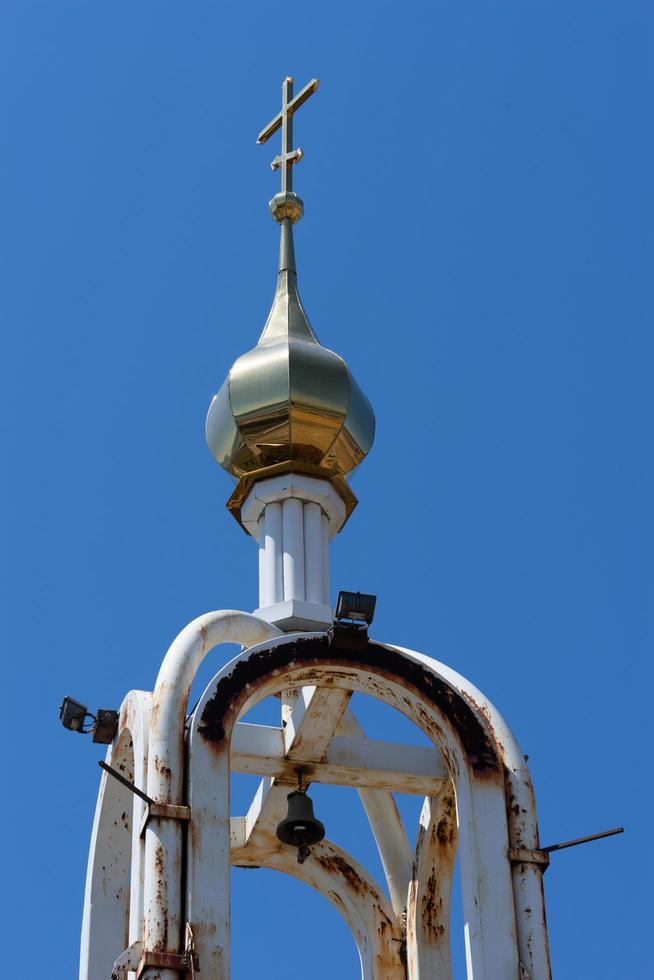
(325, 558)
(583, 840)
(313, 556)
(263, 598)
(387, 828)
(165, 784)
(529, 898)
(126, 782)
(489, 908)
(430, 891)
(273, 587)
(292, 537)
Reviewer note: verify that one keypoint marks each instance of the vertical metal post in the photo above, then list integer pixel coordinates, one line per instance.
(287, 136)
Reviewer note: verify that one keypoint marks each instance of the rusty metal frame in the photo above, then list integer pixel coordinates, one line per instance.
(464, 735)
(116, 847)
(480, 752)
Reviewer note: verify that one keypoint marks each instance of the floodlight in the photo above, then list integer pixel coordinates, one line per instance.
(355, 606)
(73, 714)
(76, 717)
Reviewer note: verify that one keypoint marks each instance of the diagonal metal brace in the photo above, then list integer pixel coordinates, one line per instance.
(162, 811)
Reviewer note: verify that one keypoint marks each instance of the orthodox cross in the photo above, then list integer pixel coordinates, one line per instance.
(290, 105)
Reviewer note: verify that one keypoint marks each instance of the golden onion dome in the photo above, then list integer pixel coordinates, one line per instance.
(289, 404)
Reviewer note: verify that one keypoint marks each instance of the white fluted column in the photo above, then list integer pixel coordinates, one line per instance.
(272, 586)
(315, 553)
(325, 555)
(263, 580)
(293, 545)
(293, 518)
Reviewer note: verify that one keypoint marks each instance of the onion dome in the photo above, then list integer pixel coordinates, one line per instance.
(289, 404)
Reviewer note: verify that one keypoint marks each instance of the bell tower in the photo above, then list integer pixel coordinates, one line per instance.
(290, 424)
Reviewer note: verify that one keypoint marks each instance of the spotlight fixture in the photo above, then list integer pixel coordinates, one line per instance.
(73, 715)
(355, 607)
(104, 725)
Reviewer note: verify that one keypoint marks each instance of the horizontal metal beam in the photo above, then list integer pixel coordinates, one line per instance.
(348, 761)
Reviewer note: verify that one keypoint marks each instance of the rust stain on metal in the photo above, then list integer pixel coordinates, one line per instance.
(445, 830)
(432, 909)
(161, 896)
(334, 863)
(373, 657)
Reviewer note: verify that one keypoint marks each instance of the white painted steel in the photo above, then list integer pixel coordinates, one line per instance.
(115, 845)
(369, 915)
(324, 520)
(104, 926)
(163, 837)
(522, 823)
(355, 896)
(269, 804)
(348, 760)
(428, 908)
(315, 717)
(263, 580)
(314, 562)
(387, 828)
(310, 718)
(300, 486)
(294, 517)
(268, 807)
(497, 896)
(481, 811)
(272, 587)
(293, 542)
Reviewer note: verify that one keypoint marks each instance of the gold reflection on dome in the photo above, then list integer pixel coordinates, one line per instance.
(289, 403)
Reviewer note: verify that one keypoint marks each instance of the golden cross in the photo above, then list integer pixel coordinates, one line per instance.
(290, 105)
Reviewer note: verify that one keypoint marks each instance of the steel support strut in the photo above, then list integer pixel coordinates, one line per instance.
(163, 915)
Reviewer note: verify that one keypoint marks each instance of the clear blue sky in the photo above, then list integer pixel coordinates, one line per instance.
(478, 188)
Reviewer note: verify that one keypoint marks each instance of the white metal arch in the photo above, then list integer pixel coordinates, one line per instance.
(340, 879)
(113, 907)
(483, 821)
(438, 709)
(522, 821)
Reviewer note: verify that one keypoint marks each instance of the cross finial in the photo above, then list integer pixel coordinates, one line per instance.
(284, 119)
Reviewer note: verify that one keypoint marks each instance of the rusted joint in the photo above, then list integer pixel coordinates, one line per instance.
(164, 811)
(186, 963)
(527, 855)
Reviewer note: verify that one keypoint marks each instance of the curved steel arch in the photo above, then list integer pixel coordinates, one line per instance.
(112, 916)
(413, 685)
(340, 879)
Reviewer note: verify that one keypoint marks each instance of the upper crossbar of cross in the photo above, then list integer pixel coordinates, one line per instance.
(284, 119)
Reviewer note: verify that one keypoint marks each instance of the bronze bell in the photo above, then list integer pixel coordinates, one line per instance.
(300, 828)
